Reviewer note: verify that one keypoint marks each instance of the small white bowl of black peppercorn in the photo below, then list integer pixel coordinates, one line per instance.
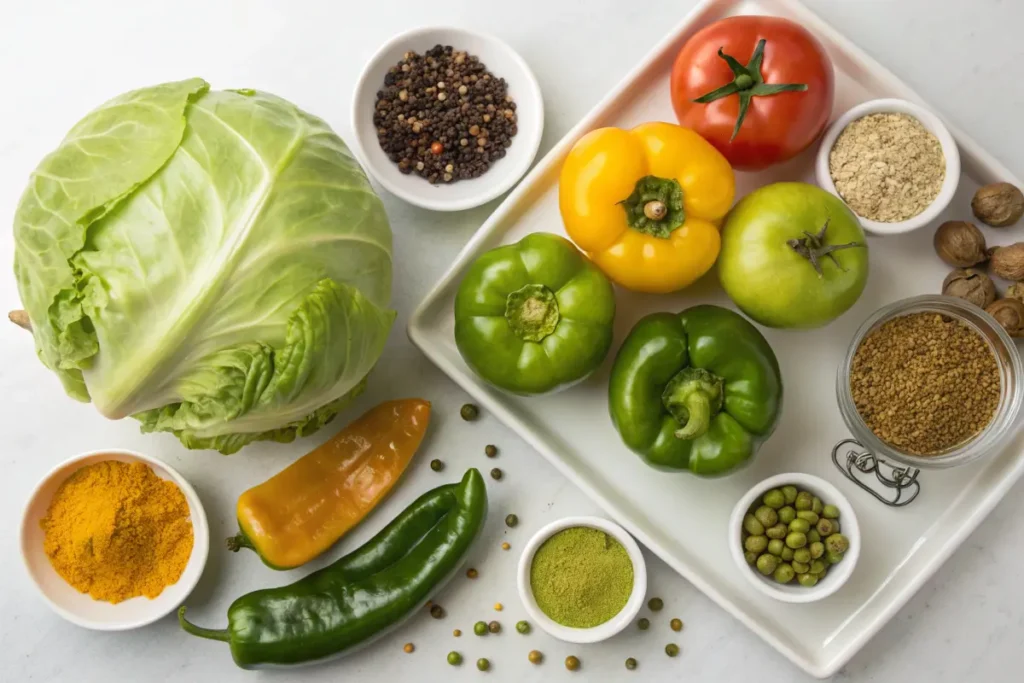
(446, 118)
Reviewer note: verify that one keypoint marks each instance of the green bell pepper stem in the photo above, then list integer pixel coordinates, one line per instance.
(363, 594)
(693, 397)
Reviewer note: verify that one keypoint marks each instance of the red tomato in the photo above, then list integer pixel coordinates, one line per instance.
(719, 66)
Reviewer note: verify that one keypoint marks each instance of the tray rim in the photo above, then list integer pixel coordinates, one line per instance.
(974, 156)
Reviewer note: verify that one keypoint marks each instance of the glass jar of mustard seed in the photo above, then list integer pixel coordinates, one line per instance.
(929, 382)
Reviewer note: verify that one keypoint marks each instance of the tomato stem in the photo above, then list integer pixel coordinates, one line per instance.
(747, 83)
(813, 248)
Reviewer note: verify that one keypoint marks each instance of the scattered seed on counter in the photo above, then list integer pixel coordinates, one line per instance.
(498, 607)
(482, 664)
(443, 116)
(409, 648)
(676, 625)
(535, 657)
(496, 474)
(454, 658)
(672, 649)
(490, 450)
(472, 573)
(655, 604)
(437, 612)
(643, 624)
(436, 465)
(572, 663)
(457, 633)
(469, 412)
(511, 521)
(523, 627)
(630, 663)
(480, 628)
(505, 546)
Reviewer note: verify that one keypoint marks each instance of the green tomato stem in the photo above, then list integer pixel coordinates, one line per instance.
(532, 312)
(693, 397)
(814, 249)
(655, 207)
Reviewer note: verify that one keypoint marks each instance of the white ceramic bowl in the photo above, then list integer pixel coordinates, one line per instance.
(503, 62)
(931, 122)
(601, 631)
(793, 592)
(79, 608)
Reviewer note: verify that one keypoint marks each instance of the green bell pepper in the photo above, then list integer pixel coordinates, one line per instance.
(696, 391)
(365, 593)
(534, 316)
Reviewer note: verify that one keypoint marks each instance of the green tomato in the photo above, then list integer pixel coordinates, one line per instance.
(772, 240)
(534, 316)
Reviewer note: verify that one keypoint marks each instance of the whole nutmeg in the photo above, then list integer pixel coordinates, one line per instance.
(960, 244)
(998, 204)
(970, 285)
(1010, 314)
(1016, 291)
(1008, 262)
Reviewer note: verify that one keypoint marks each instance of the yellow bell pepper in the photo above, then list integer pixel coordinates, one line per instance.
(645, 204)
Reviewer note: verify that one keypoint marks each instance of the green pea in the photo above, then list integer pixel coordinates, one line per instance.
(813, 536)
(784, 573)
(794, 540)
(803, 555)
(774, 499)
(823, 573)
(833, 558)
(817, 549)
(816, 505)
(655, 604)
(787, 515)
(454, 658)
(523, 626)
(630, 663)
(803, 501)
(811, 517)
(817, 567)
(469, 412)
(825, 526)
(755, 544)
(789, 493)
(777, 531)
(837, 543)
(480, 628)
(671, 649)
(775, 546)
(830, 512)
(800, 567)
(766, 515)
(801, 525)
(787, 554)
(750, 557)
(752, 526)
(766, 564)
(645, 623)
(807, 580)
(482, 664)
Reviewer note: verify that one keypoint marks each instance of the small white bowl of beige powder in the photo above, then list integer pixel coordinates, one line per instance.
(893, 162)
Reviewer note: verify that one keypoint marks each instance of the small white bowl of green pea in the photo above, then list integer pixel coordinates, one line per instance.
(781, 500)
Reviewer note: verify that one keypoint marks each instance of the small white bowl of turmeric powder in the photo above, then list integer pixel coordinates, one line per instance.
(114, 539)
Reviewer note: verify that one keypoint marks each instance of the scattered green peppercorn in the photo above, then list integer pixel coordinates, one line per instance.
(482, 664)
(804, 501)
(837, 543)
(796, 540)
(480, 628)
(644, 623)
(817, 567)
(671, 649)
(816, 506)
(676, 624)
(511, 520)
(789, 493)
(752, 526)
(750, 557)
(572, 663)
(437, 612)
(825, 527)
(833, 558)
(775, 547)
(630, 663)
(807, 580)
(494, 627)
(655, 604)
(808, 515)
(469, 412)
(787, 554)
(785, 573)
(436, 465)
(496, 473)
(472, 573)
(756, 544)
(523, 626)
(490, 450)
(787, 514)
(454, 658)
(535, 657)
(801, 525)
(830, 512)
(817, 549)
(774, 499)
(766, 564)
(803, 555)
(813, 536)
(800, 567)
(767, 516)
(777, 531)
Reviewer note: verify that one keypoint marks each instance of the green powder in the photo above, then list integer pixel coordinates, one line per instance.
(581, 577)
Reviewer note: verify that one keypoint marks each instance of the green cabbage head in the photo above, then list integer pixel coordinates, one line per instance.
(213, 263)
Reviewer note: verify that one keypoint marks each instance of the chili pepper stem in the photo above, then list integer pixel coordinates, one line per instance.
(220, 634)
(239, 541)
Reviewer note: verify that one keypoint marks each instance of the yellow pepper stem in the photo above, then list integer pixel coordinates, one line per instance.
(655, 207)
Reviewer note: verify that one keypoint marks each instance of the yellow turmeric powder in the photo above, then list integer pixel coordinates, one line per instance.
(115, 530)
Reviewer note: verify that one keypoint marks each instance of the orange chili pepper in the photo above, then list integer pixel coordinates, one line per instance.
(305, 508)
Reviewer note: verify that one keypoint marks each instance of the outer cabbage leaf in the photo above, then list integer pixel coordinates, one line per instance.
(234, 289)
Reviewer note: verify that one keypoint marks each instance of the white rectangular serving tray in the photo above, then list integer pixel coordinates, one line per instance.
(682, 518)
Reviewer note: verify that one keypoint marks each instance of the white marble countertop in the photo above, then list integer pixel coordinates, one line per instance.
(57, 60)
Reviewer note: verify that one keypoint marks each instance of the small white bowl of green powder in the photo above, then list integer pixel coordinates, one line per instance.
(583, 579)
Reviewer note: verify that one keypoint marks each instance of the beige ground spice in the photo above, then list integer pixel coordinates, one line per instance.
(925, 383)
(887, 167)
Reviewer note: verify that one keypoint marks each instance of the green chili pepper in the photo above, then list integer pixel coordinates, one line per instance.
(364, 593)
(534, 316)
(696, 391)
